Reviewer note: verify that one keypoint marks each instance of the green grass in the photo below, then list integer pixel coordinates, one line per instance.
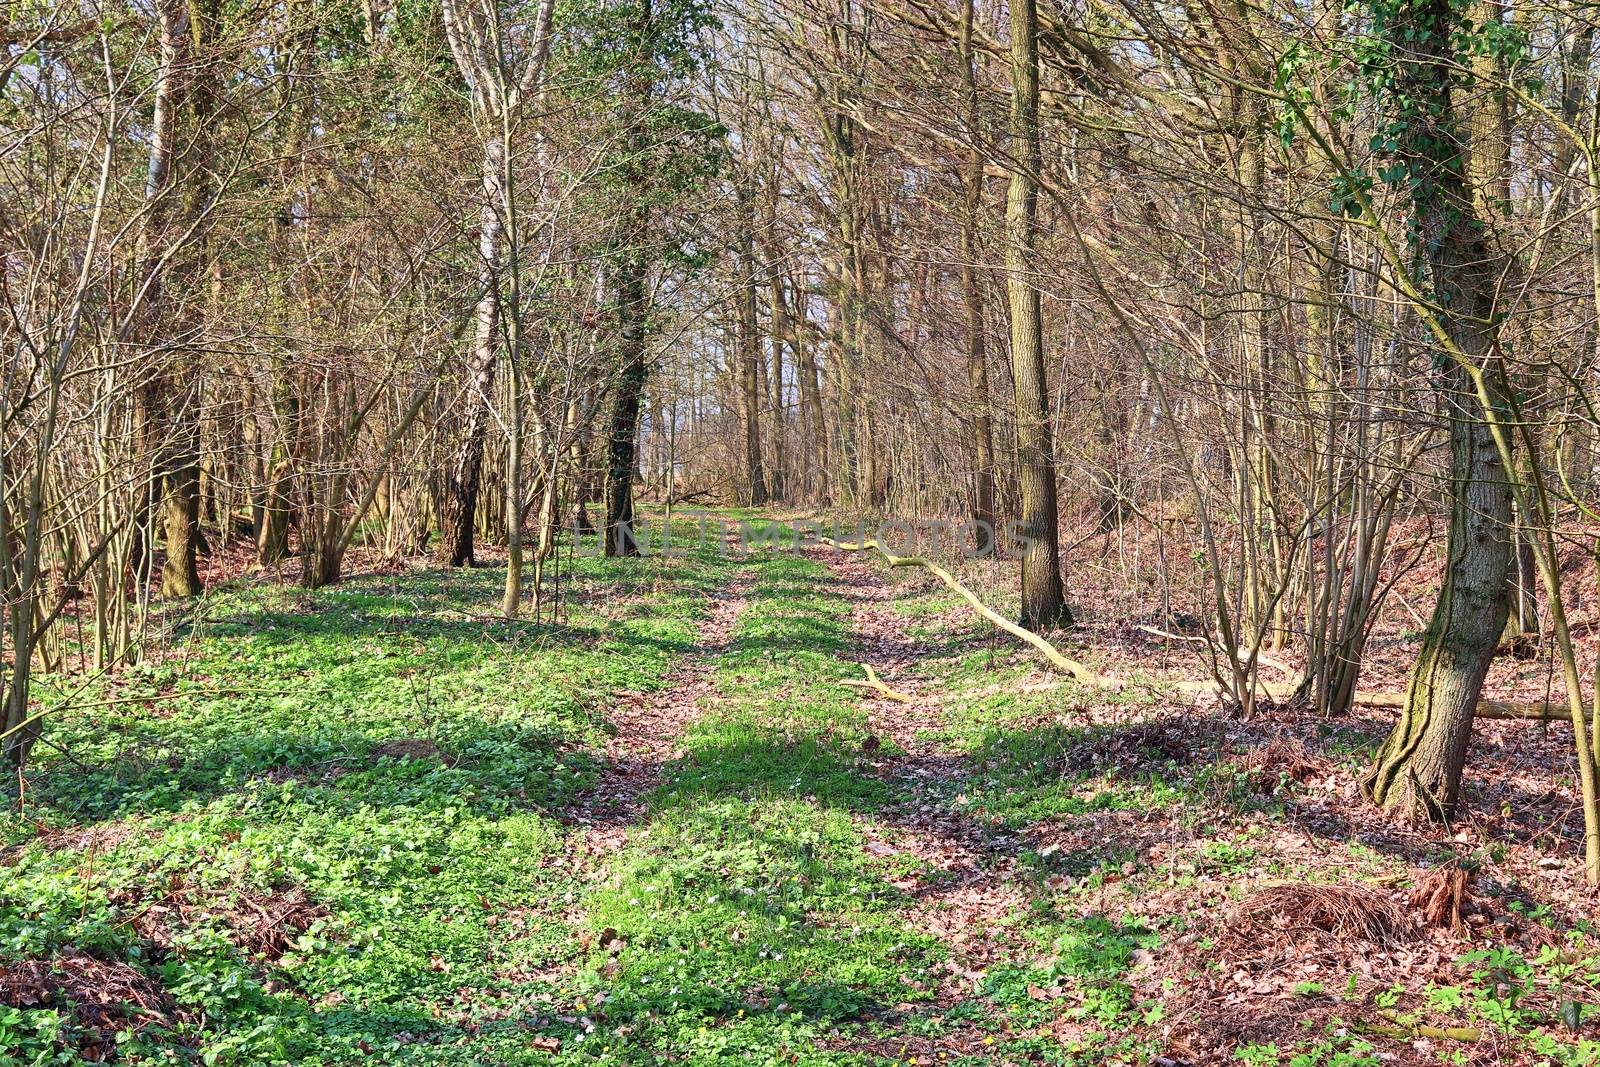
(393, 753)
(405, 765)
(752, 920)
(253, 763)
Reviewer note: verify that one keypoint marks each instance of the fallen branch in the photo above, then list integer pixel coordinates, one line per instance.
(876, 684)
(1403, 1031)
(1046, 649)
(1486, 709)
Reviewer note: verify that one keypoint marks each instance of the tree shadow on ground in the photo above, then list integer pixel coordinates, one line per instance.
(369, 679)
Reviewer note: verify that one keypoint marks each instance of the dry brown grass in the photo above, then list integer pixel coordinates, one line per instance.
(1345, 911)
(103, 997)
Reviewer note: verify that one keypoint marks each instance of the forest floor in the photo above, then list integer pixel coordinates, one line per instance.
(378, 824)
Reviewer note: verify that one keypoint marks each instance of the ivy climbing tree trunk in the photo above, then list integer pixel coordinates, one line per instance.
(622, 437)
(1418, 771)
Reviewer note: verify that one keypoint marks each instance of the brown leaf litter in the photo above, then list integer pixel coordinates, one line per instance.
(1344, 911)
(103, 997)
(413, 748)
(263, 924)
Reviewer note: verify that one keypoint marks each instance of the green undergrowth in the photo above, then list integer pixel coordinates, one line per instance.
(750, 921)
(387, 758)
(349, 827)
(1021, 729)
(1043, 753)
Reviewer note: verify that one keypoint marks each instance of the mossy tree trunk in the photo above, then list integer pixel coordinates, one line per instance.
(1418, 770)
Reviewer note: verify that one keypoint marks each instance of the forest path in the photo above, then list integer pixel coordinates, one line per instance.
(768, 867)
(971, 887)
(647, 730)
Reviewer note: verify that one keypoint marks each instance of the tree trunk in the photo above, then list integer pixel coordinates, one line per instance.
(180, 577)
(1522, 617)
(272, 531)
(812, 418)
(511, 598)
(1418, 770)
(622, 440)
(465, 475)
(749, 341)
(776, 487)
(168, 424)
(180, 574)
(1043, 604)
(972, 291)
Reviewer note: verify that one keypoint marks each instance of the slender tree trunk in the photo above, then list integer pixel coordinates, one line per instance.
(1522, 593)
(464, 477)
(622, 439)
(777, 488)
(272, 531)
(1043, 603)
(511, 599)
(846, 472)
(19, 569)
(621, 537)
(972, 292)
(749, 340)
(811, 413)
(180, 574)
(295, 61)
(162, 439)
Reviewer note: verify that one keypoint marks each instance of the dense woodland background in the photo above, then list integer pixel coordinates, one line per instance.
(1256, 311)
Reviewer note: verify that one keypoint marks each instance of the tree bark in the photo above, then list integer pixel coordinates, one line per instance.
(180, 574)
(983, 514)
(465, 475)
(777, 488)
(623, 436)
(749, 341)
(1522, 591)
(812, 417)
(1043, 604)
(1418, 770)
